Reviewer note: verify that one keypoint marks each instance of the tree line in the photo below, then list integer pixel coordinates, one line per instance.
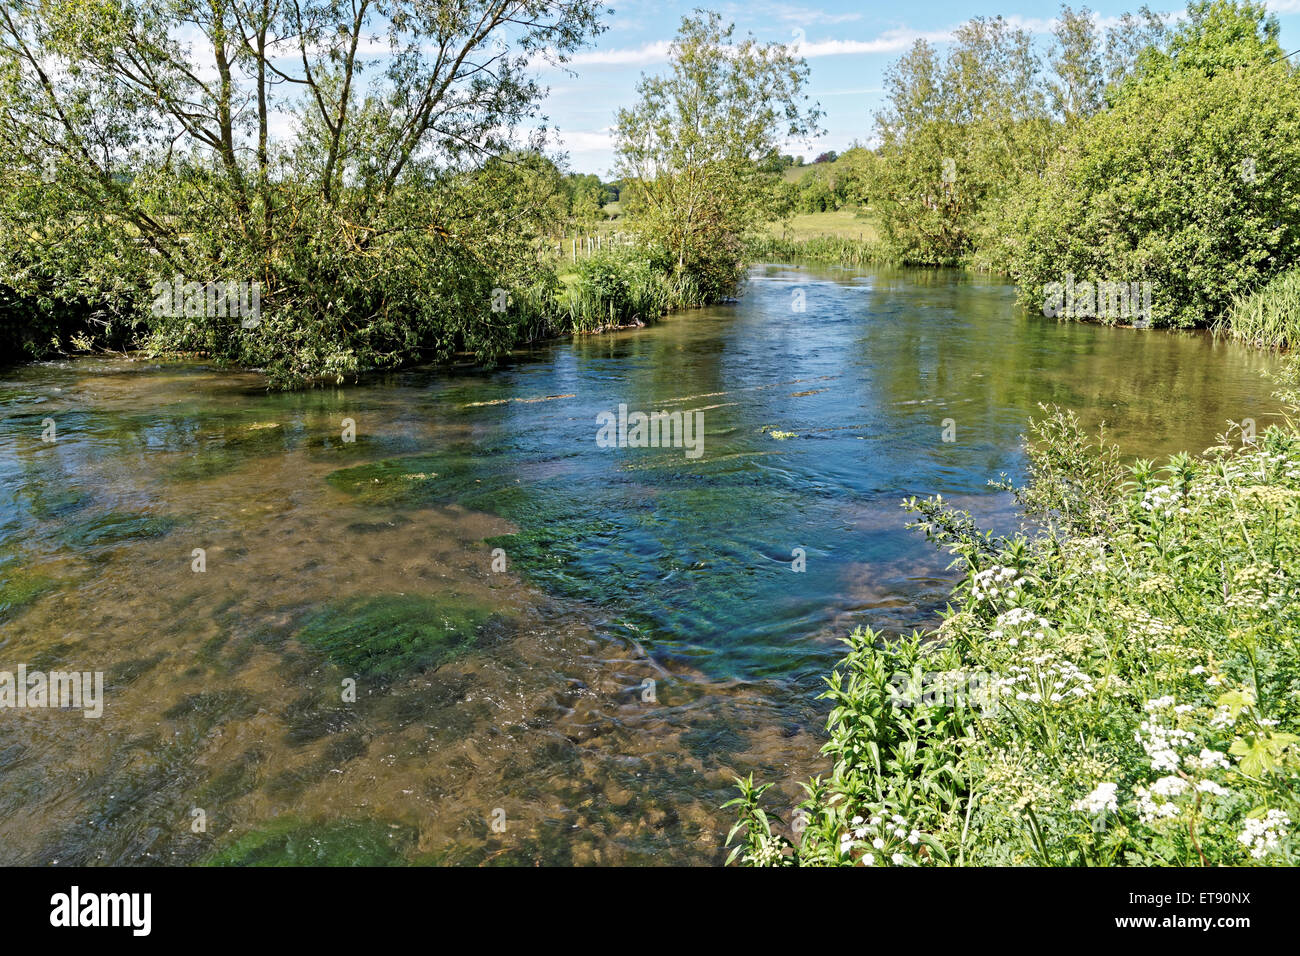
(378, 174)
(375, 171)
(1141, 153)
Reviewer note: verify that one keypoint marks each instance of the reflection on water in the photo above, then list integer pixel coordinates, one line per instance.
(647, 640)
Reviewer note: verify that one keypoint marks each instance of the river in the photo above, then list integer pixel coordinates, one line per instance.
(431, 619)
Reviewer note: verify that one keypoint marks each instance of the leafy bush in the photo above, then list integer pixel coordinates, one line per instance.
(1116, 688)
(438, 274)
(1190, 182)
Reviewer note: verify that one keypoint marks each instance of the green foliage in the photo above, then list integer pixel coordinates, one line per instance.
(1270, 316)
(834, 249)
(828, 186)
(1115, 687)
(960, 133)
(587, 196)
(1217, 36)
(1078, 483)
(378, 233)
(1192, 186)
(695, 151)
(895, 778)
(954, 135)
(392, 635)
(622, 287)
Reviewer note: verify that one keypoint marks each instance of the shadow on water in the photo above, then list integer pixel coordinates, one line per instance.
(354, 677)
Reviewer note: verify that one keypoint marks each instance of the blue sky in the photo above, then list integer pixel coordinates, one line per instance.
(848, 44)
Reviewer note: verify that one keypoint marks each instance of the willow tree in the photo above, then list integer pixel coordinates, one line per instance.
(692, 150)
(954, 130)
(960, 130)
(318, 147)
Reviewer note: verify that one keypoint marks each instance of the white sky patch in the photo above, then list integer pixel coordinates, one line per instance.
(891, 41)
(587, 140)
(656, 52)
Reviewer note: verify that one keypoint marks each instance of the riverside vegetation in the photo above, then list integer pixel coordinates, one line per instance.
(1143, 153)
(379, 236)
(1115, 685)
(402, 221)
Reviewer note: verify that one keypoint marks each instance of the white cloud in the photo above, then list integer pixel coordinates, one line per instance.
(1033, 24)
(891, 41)
(656, 52)
(586, 141)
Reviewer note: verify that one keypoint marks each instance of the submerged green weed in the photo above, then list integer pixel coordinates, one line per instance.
(387, 636)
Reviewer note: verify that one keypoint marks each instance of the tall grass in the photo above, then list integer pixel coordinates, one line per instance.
(833, 249)
(622, 287)
(1269, 317)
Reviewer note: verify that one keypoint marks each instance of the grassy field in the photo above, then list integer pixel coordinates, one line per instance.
(841, 224)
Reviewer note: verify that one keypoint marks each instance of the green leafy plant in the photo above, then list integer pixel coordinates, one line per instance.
(1114, 684)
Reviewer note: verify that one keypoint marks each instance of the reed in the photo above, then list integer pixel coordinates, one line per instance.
(1269, 317)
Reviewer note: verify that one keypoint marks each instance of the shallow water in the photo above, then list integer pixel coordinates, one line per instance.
(508, 716)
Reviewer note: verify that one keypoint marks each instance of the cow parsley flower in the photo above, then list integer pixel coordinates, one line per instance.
(1100, 800)
(1262, 836)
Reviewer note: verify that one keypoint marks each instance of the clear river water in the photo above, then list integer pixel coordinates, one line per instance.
(430, 618)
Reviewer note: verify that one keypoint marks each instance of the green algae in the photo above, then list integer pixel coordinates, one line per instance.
(414, 481)
(219, 445)
(291, 842)
(597, 546)
(117, 527)
(387, 636)
(20, 587)
(51, 499)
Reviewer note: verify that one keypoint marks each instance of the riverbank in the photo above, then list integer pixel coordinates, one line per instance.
(1115, 690)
